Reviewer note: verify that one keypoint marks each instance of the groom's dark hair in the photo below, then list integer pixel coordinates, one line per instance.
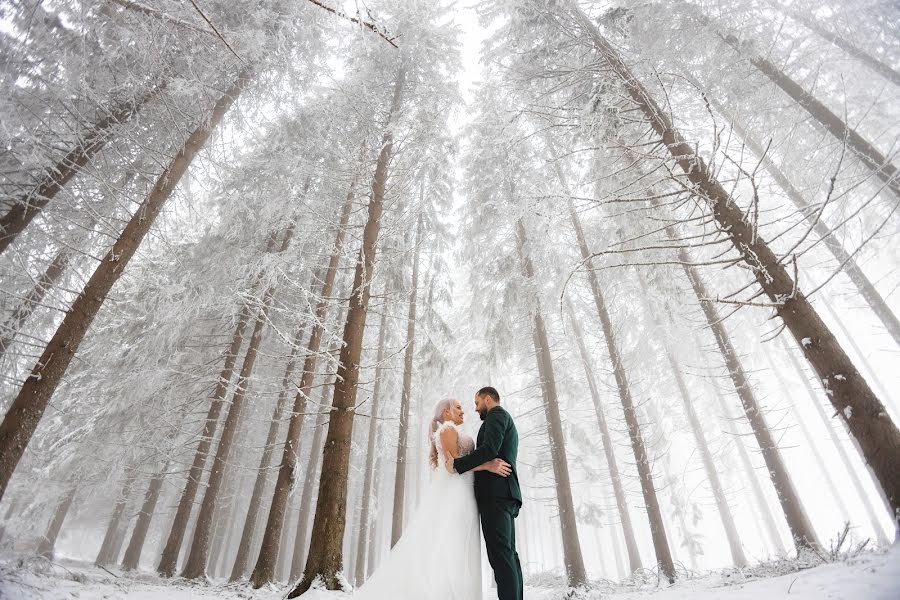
(490, 393)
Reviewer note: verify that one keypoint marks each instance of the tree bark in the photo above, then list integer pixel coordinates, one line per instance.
(648, 489)
(298, 556)
(46, 547)
(368, 500)
(27, 206)
(846, 262)
(199, 555)
(325, 559)
(26, 410)
(267, 561)
(403, 436)
(634, 556)
(109, 549)
(247, 535)
(867, 418)
(132, 558)
(712, 475)
(576, 574)
(871, 513)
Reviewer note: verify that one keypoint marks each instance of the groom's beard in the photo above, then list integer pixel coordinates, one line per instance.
(482, 414)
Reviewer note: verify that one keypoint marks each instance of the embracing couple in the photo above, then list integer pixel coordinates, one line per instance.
(439, 555)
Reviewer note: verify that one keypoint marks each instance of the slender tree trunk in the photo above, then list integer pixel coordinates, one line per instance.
(871, 512)
(247, 535)
(10, 511)
(712, 474)
(26, 410)
(859, 54)
(374, 530)
(267, 561)
(368, 502)
(765, 512)
(199, 555)
(132, 559)
(47, 545)
(847, 263)
(868, 420)
(648, 489)
(27, 206)
(634, 556)
(306, 499)
(576, 574)
(325, 559)
(403, 436)
(109, 549)
(832, 123)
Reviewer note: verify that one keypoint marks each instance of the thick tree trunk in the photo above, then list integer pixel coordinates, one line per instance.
(26, 410)
(654, 514)
(832, 123)
(197, 560)
(298, 556)
(403, 436)
(27, 206)
(132, 558)
(846, 262)
(871, 512)
(634, 556)
(712, 475)
(368, 500)
(869, 422)
(859, 54)
(267, 561)
(576, 575)
(325, 560)
(109, 549)
(47, 545)
(247, 535)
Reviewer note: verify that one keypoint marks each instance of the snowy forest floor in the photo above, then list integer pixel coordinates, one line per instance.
(867, 576)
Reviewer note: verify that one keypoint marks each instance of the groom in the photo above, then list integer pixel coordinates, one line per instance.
(499, 498)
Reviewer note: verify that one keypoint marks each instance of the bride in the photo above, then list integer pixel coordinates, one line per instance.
(439, 555)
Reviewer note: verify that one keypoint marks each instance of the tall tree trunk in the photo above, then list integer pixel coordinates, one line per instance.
(871, 512)
(373, 554)
(325, 558)
(26, 410)
(298, 556)
(403, 436)
(27, 206)
(869, 422)
(847, 263)
(634, 556)
(648, 489)
(832, 123)
(576, 574)
(47, 546)
(267, 561)
(709, 466)
(197, 559)
(132, 558)
(859, 54)
(750, 476)
(368, 498)
(247, 535)
(109, 549)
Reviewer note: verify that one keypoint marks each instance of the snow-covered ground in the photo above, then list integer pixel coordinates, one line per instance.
(869, 576)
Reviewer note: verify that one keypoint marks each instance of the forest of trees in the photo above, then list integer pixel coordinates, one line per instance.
(245, 246)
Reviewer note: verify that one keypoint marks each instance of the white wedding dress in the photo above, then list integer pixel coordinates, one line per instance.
(439, 555)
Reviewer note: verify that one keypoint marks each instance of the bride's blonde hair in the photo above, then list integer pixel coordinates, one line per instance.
(437, 421)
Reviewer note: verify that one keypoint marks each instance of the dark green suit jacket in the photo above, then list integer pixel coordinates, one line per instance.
(497, 438)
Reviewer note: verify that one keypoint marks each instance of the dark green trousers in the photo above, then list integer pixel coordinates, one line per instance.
(499, 528)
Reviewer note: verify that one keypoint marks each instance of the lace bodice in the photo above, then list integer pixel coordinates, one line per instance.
(466, 444)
